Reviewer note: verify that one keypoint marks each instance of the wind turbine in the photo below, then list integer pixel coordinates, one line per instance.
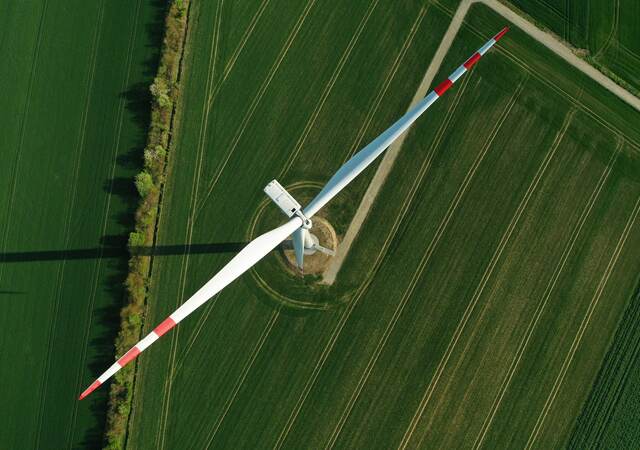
(299, 222)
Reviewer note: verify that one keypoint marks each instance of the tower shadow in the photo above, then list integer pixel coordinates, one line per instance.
(104, 252)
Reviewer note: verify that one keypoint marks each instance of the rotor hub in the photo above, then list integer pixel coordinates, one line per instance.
(306, 222)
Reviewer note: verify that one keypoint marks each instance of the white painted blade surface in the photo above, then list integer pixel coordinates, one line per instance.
(366, 156)
(243, 261)
(239, 264)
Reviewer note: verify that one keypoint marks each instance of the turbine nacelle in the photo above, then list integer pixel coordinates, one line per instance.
(303, 240)
(286, 202)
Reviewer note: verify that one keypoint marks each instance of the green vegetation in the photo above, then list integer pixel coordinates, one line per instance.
(488, 301)
(471, 309)
(74, 84)
(607, 32)
(609, 419)
(164, 93)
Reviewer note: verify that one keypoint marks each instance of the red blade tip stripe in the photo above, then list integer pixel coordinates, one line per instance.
(502, 33)
(442, 87)
(165, 326)
(129, 356)
(471, 61)
(95, 385)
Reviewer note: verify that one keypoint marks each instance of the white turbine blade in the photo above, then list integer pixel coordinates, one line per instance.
(368, 154)
(262, 245)
(298, 246)
(243, 261)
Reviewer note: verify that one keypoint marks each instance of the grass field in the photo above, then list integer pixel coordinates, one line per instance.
(608, 30)
(479, 300)
(609, 419)
(73, 80)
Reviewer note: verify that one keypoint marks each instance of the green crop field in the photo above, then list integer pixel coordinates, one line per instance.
(479, 301)
(609, 30)
(609, 419)
(73, 80)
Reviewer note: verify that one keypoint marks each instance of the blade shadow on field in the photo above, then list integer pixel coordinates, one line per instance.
(117, 252)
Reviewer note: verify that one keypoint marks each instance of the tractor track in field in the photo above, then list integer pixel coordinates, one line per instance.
(202, 139)
(25, 114)
(208, 106)
(485, 279)
(195, 208)
(243, 375)
(571, 98)
(442, 227)
(557, 47)
(67, 222)
(194, 335)
(545, 38)
(557, 141)
(105, 215)
(463, 7)
(306, 130)
(275, 316)
(300, 142)
(380, 176)
(553, 9)
(328, 88)
(426, 165)
(210, 88)
(583, 326)
(506, 236)
(236, 53)
(567, 251)
(14, 172)
(612, 32)
(373, 109)
(114, 162)
(166, 392)
(256, 101)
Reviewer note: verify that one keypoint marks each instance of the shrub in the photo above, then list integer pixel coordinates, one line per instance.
(180, 8)
(148, 183)
(159, 87)
(160, 92)
(136, 239)
(144, 183)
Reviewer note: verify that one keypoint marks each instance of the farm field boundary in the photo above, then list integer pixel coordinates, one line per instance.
(149, 183)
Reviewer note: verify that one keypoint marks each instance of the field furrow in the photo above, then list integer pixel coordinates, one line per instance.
(462, 295)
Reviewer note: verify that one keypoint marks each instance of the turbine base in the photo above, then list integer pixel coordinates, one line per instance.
(315, 261)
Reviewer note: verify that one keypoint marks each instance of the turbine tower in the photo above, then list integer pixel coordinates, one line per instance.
(299, 222)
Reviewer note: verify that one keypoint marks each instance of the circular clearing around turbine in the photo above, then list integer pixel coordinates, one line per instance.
(278, 277)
